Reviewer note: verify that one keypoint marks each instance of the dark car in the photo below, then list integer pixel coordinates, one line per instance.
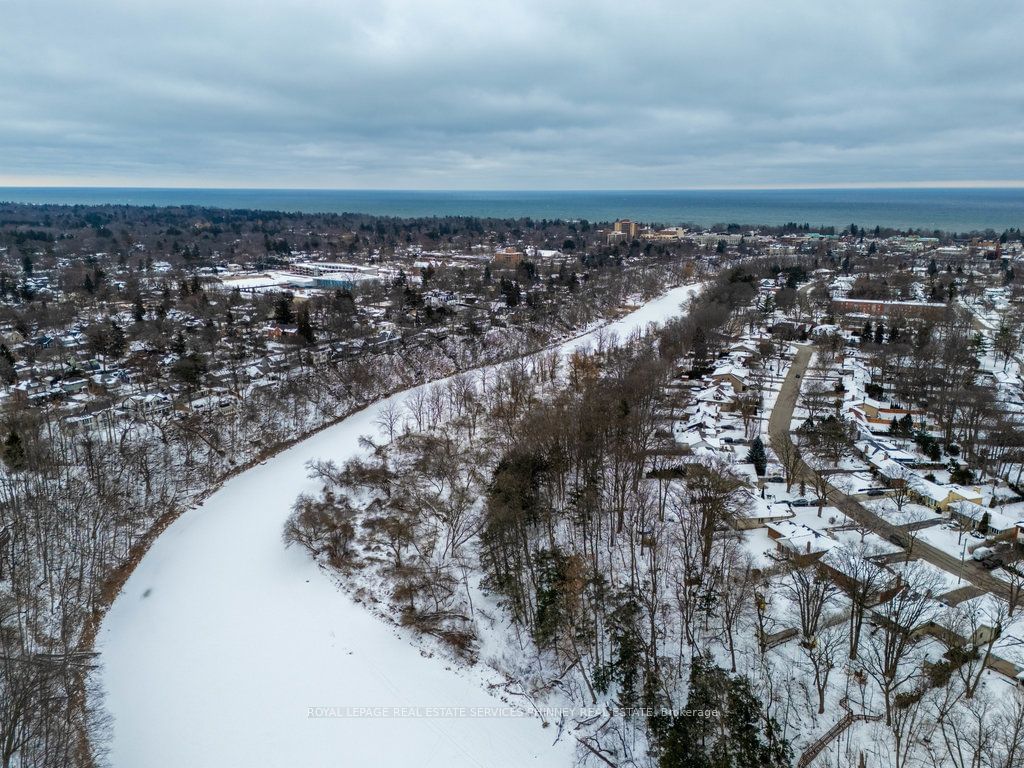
(898, 540)
(875, 492)
(801, 503)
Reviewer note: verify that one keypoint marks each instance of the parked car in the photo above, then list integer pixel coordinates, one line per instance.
(801, 503)
(875, 492)
(982, 553)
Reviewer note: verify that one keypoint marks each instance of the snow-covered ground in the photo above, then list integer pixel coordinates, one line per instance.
(222, 642)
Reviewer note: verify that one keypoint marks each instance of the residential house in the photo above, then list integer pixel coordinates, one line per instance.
(734, 375)
(758, 513)
(800, 542)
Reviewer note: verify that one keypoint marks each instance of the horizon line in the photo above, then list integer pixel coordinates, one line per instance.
(898, 185)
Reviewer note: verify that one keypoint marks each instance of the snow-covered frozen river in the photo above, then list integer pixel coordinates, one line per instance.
(222, 640)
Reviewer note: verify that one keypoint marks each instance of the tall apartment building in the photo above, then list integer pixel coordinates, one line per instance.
(629, 228)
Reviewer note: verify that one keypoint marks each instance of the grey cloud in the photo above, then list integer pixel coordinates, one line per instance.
(509, 94)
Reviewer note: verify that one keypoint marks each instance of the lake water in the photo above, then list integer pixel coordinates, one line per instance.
(926, 209)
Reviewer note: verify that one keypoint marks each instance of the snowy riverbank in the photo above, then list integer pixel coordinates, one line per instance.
(222, 641)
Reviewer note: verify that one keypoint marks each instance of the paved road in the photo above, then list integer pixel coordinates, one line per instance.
(778, 434)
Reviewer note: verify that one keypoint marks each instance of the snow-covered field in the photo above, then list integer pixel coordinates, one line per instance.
(222, 642)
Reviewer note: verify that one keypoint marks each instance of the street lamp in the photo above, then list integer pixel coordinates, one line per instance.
(963, 554)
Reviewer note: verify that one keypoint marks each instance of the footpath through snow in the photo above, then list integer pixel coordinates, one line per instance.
(222, 641)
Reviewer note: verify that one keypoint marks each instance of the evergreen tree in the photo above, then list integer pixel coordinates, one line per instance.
(513, 509)
(8, 375)
(510, 290)
(116, 343)
(1005, 343)
(758, 456)
(725, 728)
(13, 452)
(552, 571)
(189, 370)
(283, 314)
(343, 304)
(700, 349)
(627, 659)
(304, 327)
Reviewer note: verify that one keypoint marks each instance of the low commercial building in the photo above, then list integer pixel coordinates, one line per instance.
(921, 310)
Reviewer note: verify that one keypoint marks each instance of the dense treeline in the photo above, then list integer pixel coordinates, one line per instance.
(197, 236)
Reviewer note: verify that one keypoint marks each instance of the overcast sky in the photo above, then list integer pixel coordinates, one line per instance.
(441, 94)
